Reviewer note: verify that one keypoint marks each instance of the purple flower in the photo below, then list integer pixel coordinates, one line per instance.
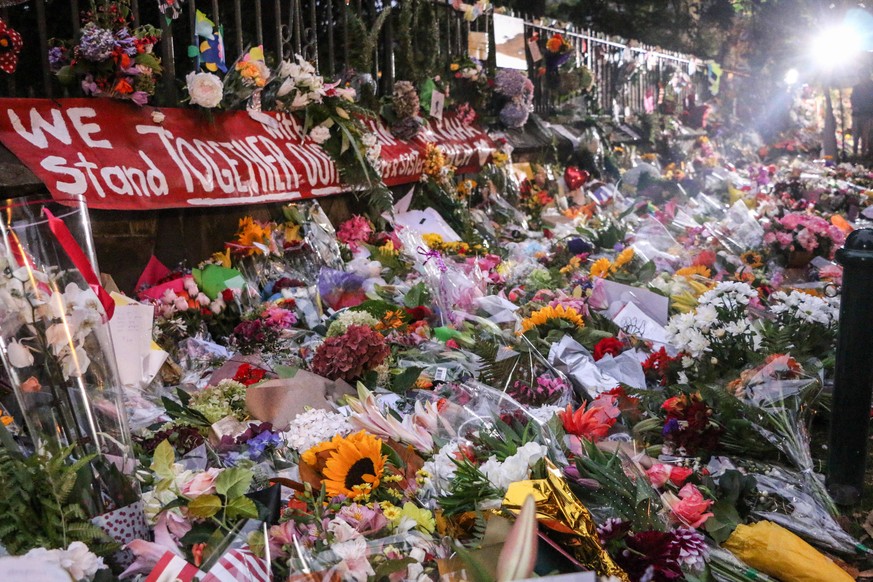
(140, 98)
(365, 520)
(262, 442)
(125, 41)
(97, 43)
(510, 83)
(340, 289)
(57, 57)
(89, 87)
(514, 114)
(671, 426)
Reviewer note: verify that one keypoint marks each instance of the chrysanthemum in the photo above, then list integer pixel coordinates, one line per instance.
(549, 313)
(623, 258)
(601, 267)
(694, 270)
(356, 463)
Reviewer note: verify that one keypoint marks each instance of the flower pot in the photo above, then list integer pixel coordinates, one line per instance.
(56, 348)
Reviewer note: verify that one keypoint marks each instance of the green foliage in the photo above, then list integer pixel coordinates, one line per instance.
(39, 505)
(418, 35)
(364, 38)
(468, 487)
(630, 499)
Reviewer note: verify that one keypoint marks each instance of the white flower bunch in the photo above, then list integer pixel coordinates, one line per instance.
(77, 560)
(348, 318)
(720, 327)
(803, 308)
(301, 84)
(514, 468)
(315, 426)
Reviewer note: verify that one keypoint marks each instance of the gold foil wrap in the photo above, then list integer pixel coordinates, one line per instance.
(570, 522)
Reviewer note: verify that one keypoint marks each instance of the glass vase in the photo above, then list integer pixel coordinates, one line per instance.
(57, 352)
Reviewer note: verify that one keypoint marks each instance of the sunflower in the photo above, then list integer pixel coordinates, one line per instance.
(549, 313)
(251, 232)
(623, 258)
(601, 267)
(355, 465)
(752, 259)
(694, 270)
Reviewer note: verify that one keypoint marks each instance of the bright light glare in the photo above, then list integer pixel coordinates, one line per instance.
(791, 76)
(836, 46)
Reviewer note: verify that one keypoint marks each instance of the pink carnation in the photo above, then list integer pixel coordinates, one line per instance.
(354, 231)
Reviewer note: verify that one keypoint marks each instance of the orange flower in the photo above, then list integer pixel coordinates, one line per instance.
(592, 424)
(555, 44)
(123, 87)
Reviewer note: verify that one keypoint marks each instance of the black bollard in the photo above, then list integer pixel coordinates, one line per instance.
(853, 381)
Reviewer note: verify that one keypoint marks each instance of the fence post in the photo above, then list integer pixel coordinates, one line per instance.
(853, 381)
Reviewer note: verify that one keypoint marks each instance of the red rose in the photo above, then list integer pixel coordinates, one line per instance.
(610, 345)
(227, 295)
(419, 313)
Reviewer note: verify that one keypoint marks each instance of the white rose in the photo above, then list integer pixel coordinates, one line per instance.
(319, 134)
(205, 89)
(158, 117)
(80, 562)
(19, 355)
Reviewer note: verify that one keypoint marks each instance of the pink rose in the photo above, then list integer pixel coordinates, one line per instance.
(690, 508)
(658, 475)
(201, 484)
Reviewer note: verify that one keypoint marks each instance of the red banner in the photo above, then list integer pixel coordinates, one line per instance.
(120, 156)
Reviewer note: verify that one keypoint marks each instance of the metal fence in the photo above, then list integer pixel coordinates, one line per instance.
(320, 31)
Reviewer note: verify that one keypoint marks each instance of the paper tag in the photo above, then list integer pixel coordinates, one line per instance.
(440, 375)
(437, 102)
(534, 48)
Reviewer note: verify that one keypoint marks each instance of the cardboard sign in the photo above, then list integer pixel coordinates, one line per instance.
(117, 157)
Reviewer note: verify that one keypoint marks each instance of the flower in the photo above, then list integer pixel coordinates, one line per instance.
(202, 484)
(601, 268)
(608, 345)
(356, 461)
(350, 355)
(355, 231)
(315, 426)
(354, 565)
(690, 507)
(319, 134)
(205, 89)
(19, 355)
(694, 270)
(594, 423)
(660, 473)
(77, 560)
(623, 258)
(548, 314)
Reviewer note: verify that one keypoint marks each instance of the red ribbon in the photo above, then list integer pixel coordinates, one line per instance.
(80, 261)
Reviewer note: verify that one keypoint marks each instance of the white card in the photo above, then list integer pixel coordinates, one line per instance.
(131, 329)
(437, 102)
(632, 320)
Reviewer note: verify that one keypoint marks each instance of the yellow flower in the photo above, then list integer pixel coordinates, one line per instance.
(310, 456)
(434, 161)
(573, 265)
(752, 259)
(433, 240)
(355, 466)
(388, 248)
(600, 268)
(391, 320)
(222, 259)
(623, 258)
(423, 518)
(499, 159)
(454, 67)
(693, 270)
(548, 313)
(390, 511)
(251, 232)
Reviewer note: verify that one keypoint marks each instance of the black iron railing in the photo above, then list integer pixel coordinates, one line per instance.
(320, 30)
